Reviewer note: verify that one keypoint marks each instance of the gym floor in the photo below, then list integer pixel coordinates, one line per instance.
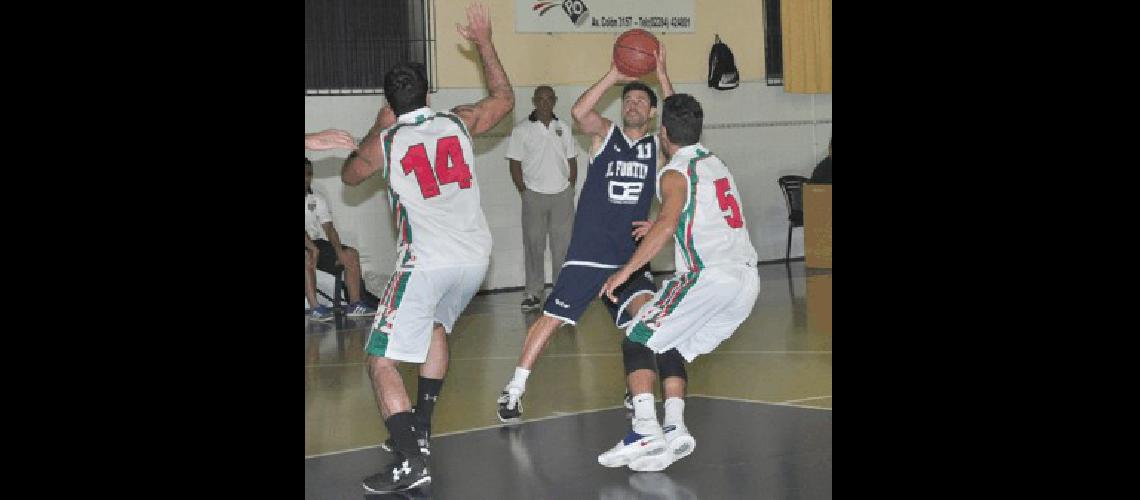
(759, 406)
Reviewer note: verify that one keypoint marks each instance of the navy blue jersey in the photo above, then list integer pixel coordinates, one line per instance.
(620, 184)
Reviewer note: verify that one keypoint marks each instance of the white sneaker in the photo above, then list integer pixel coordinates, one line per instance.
(679, 443)
(633, 447)
(510, 405)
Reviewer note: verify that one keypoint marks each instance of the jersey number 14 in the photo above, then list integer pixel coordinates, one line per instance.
(449, 166)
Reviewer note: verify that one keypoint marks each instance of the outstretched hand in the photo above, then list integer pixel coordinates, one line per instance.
(329, 139)
(478, 27)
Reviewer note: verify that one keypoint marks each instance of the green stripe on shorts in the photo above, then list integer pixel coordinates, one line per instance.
(685, 287)
(641, 333)
(377, 343)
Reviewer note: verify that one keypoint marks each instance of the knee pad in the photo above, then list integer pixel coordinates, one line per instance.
(636, 357)
(671, 364)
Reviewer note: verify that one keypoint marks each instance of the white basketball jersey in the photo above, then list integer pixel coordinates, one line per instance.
(711, 231)
(429, 166)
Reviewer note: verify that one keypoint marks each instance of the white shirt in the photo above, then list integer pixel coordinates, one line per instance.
(712, 230)
(434, 192)
(543, 152)
(316, 213)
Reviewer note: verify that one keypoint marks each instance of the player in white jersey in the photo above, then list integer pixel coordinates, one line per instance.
(443, 246)
(711, 294)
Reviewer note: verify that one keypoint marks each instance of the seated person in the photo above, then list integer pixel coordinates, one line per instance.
(822, 172)
(324, 251)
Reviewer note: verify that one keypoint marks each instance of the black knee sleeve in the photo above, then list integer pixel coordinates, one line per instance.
(671, 364)
(636, 357)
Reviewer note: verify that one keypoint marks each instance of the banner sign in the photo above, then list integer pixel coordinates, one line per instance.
(604, 16)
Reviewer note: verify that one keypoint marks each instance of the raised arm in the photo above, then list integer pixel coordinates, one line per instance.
(367, 159)
(662, 74)
(589, 120)
(483, 115)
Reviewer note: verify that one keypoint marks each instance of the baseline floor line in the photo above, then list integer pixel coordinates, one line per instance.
(486, 427)
(568, 414)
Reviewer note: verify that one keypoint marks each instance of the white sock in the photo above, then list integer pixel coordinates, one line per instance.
(675, 412)
(645, 415)
(519, 379)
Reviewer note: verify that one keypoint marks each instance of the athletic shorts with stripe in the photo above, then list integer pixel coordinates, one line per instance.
(695, 312)
(578, 285)
(412, 302)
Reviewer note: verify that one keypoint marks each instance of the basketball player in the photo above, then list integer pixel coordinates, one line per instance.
(444, 243)
(615, 198)
(710, 295)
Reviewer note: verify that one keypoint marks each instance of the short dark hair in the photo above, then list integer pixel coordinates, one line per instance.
(406, 87)
(642, 87)
(682, 117)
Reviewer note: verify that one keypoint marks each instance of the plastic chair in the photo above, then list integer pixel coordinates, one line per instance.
(793, 188)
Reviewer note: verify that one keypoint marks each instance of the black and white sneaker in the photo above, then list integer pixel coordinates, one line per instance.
(510, 406)
(403, 474)
(628, 400)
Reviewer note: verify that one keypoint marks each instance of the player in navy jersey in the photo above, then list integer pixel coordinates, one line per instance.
(612, 212)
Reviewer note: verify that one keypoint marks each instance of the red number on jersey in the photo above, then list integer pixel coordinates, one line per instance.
(727, 201)
(450, 166)
(416, 160)
(448, 150)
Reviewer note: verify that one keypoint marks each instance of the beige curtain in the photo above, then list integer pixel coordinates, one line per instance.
(806, 28)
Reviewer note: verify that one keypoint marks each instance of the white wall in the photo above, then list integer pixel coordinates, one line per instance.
(760, 132)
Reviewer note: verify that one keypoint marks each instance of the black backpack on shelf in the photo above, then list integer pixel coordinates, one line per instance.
(722, 67)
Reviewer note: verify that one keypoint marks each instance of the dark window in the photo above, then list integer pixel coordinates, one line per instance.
(773, 45)
(350, 44)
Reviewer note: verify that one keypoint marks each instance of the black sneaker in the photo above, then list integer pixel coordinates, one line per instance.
(530, 303)
(403, 474)
(510, 407)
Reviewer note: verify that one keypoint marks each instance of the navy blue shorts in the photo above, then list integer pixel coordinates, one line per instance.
(577, 286)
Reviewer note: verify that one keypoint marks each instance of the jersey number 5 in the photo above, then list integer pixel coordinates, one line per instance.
(449, 166)
(727, 202)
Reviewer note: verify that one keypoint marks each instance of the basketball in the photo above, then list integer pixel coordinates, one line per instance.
(635, 52)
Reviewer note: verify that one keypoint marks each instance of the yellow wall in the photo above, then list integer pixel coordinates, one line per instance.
(565, 58)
